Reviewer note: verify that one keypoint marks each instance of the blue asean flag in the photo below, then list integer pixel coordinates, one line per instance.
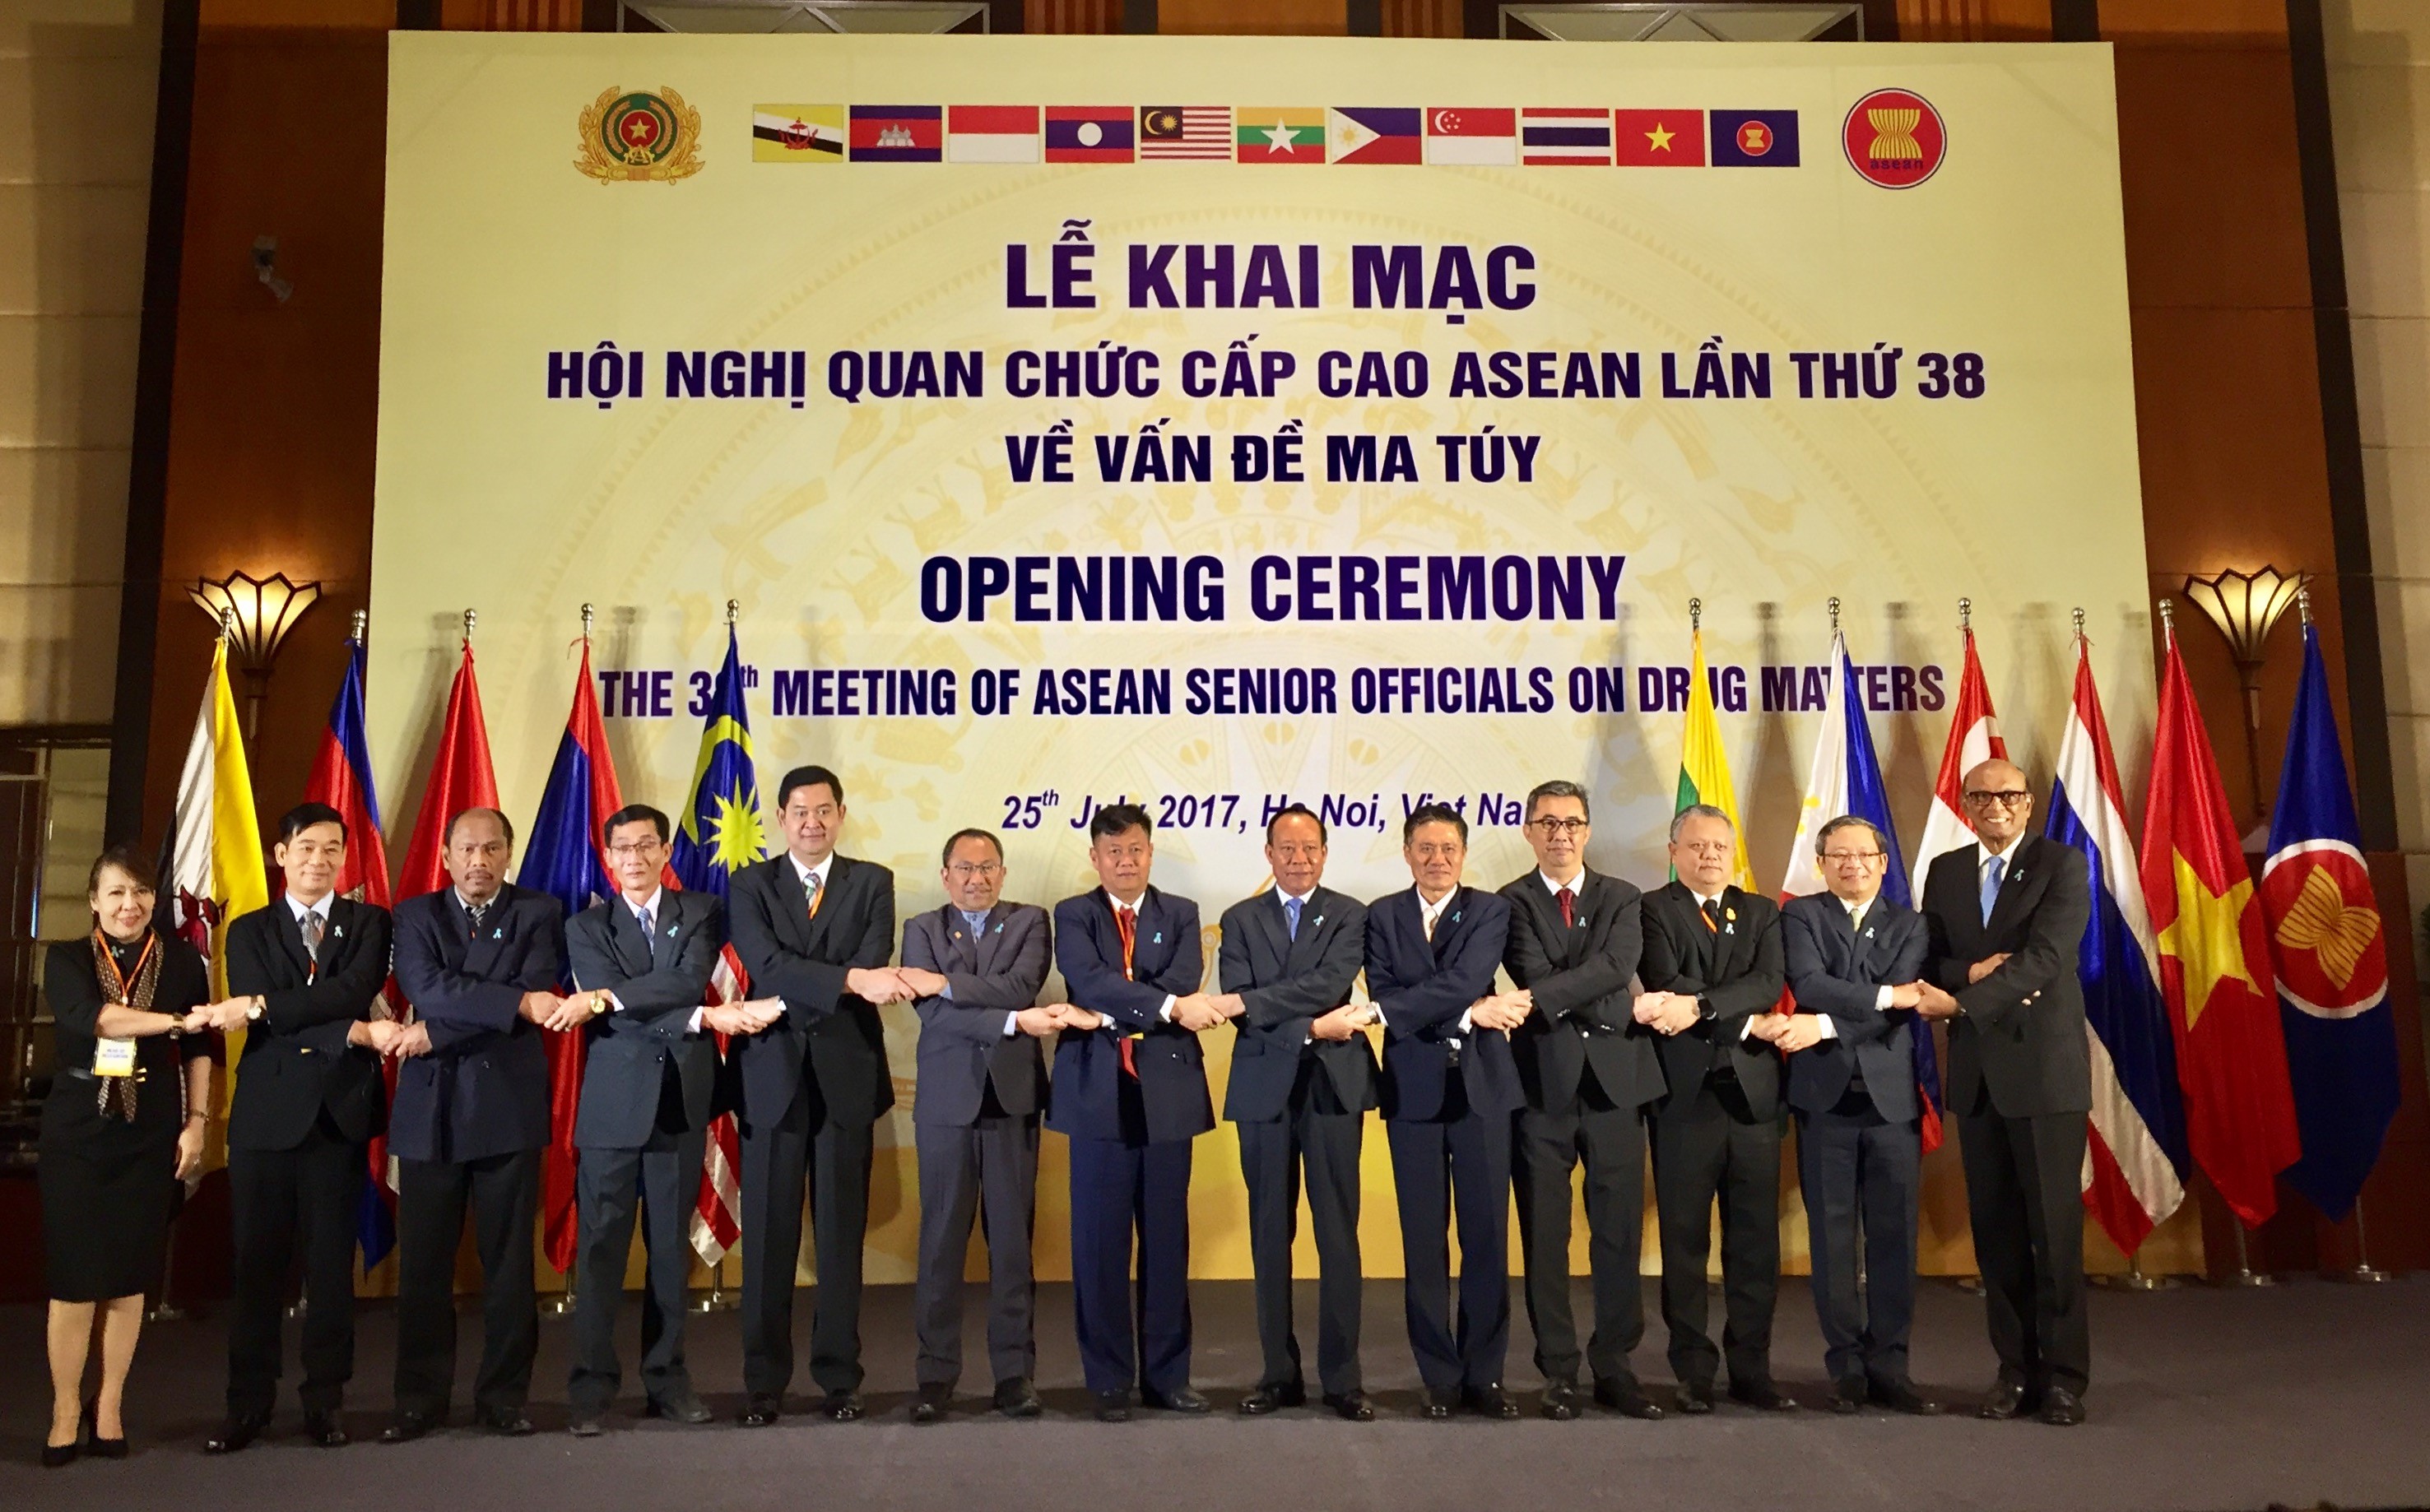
(1870, 801)
(2328, 945)
(719, 833)
(1754, 139)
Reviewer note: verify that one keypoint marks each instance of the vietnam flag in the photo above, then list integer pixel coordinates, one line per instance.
(1705, 764)
(2215, 973)
(1659, 139)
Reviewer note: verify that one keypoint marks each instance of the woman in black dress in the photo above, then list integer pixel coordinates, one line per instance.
(123, 1127)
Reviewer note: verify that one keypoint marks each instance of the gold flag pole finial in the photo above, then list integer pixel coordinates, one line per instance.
(2169, 620)
(1834, 606)
(2303, 606)
(1695, 616)
(587, 612)
(2076, 617)
(227, 625)
(363, 623)
(1966, 615)
(469, 617)
(733, 610)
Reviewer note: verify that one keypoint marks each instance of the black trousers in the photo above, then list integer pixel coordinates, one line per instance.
(504, 1193)
(1317, 1134)
(2025, 1201)
(778, 1160)
(661, 1184)
(1860, 1173)
(1131, 1334)
(1610, 1142)
(281, 1201)
(984, 1172)
(1706, 1146)
(1459, 1167)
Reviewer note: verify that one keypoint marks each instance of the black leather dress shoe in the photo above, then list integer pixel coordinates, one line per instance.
(2005, 1400)
(587, 1422)
(1695, 1397)
(760, 1411)
(1902, 1396)
(1626, 1397)
(1441, 1404)
(844, 1406)
(1113, 1406)
(929, 1405)
(1267, 1399)
(406, 1427)
(1491, 1402)
(2062, 1409)
(1560, 1400)
(680, 1407)
(1763, 1396)
(1848, 1395)
(321, 1430)
(506, 1423)
(1351, 1407)
(1186, 1401)
(235, 1435)
(1016, 1398)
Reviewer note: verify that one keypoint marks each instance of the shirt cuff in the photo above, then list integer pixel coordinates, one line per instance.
(948, 994)
(691, 1026)
(1165, 1012)
(1829, 1029)
(615, 1004)
(1464, 1019)
(1747, 1029)
(1011, 1024)
(1883, 998)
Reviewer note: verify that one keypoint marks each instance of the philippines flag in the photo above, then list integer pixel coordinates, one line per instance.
(342, 777)
(1846, 778)
(564, 857)
(1973, 739)
(2134, 1162)
(2329, 948)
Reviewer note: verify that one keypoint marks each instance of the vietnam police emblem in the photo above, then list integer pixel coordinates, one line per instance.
(640, 137)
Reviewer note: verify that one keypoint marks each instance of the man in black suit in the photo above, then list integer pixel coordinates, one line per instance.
(647, 1075)
(1130, 1092)
(977, 964)
(479, 961)
(1589, 1069)
(816, 929)
(2008, 916)
(1449, 1088)
(1854, 957)
(303, 975)
(1303, 1078)
(1711, 967)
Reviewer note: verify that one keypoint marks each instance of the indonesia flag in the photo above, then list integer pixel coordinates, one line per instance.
(1973, 739)
(1846, 778)
(992, 134)
(2135, 1161)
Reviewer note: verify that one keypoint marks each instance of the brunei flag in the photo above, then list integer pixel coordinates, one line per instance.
(2215, 976)
(1705, 764)
(1279, 134)
(797, 133)
(213, 870)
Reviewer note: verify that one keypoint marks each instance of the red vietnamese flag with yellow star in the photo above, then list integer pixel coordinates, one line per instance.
(2214, 970)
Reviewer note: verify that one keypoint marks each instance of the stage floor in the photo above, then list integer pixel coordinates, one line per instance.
(2202, 1398)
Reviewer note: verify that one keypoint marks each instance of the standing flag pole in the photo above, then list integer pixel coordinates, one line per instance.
(1703, 761)
(2214, 956)
(1973, 739)
(2329, 949)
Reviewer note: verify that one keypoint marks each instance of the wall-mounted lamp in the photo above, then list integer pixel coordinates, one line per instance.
(265, 268)
(2246, 606)
(257, 614)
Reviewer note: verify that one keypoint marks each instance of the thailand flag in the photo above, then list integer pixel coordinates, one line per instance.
(2134, 1162)
(1846, 778)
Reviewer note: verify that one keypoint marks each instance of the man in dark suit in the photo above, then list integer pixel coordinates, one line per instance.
(816, 929)
(305, 973)
(977, 964)
(1451, 1085)
(1711, 967)
(646, 1080)
(1854, 957)
(1130, 1092)
(2007, 918)
(479, 961)
(1589, 1070)
(1303, 1078)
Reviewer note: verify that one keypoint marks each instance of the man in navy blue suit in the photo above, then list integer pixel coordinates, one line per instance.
(479, 961)
(1130, 1092)
(1450, 1091)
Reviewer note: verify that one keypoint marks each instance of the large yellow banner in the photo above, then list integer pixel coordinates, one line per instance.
(1229, 421)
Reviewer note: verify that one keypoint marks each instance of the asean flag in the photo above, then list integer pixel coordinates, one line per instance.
(1659, 139)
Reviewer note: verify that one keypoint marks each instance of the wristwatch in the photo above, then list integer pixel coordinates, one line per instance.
(254, 1010)
(1704, 1008)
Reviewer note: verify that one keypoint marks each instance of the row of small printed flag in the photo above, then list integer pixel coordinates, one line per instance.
(1498, 137)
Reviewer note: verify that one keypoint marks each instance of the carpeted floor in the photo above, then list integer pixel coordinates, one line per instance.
(2202, 1398)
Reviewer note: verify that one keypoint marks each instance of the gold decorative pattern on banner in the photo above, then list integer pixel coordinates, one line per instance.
(1895, 139)
(639, 138)
(2322, 923)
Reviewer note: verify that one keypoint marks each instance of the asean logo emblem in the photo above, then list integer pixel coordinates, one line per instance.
(1895, 137)
(2331, 952)
(639, 138)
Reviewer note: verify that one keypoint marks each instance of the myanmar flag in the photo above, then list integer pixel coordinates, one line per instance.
(1704, 765)
(1286, 134)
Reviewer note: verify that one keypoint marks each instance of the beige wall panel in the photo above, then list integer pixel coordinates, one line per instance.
(72, 249)
(58, 651)
(2393, 380)
(63, 515)
(67, 380)
(2385, 235)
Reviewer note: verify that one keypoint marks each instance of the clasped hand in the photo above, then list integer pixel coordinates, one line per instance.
(1786, 1032)
(1666, 1013)
(1504, 1011)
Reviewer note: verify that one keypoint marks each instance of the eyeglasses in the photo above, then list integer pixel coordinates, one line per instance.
(1559, 826)
(2013, 798)
(964, 871)
(627, 853)
(1843, 857)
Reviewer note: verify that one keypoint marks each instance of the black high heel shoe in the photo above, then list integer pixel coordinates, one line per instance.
(55, 1455)
(95, 1445)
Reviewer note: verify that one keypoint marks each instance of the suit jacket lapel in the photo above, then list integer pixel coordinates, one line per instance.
(991, 937)
(2013, 883)
(624, 935)
(1448, 923)
(1298, 952)
(290, 936)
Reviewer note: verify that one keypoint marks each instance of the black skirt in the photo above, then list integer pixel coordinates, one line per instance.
(109, 1189)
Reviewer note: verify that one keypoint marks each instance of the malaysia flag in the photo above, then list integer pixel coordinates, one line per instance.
(1088, 134)
(898, 133)
(1550, 137)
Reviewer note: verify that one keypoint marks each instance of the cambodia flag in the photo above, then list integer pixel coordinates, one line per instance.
(2330, 947)
(898, 133)
(2134, 1161)
(565, 859)
(342, 777)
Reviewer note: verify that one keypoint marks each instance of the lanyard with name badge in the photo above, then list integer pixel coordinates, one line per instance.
(116, 1058)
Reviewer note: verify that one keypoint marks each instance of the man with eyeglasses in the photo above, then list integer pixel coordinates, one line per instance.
(1589, 1070)
(977, 963)
(1711, 969)
(2008, 916)
(1854, 959)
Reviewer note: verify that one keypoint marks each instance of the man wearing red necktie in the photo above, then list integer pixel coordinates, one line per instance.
(1130, 1093)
